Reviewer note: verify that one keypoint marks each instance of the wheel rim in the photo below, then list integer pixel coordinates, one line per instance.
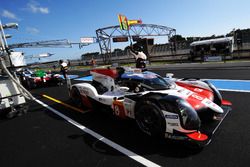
(147, 121)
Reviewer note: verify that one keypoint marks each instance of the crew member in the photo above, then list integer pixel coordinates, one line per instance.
(93, 62)
(139, 56)
(63, 68)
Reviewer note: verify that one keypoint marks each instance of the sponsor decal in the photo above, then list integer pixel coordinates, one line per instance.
(84, 91)
(173, 124)
(171, 116)
(198, 90)
(208, 102)
(212, 58)
(185, 92)
(197, 97)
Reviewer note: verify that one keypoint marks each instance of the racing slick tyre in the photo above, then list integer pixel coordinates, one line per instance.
(76, 98)
(30, 84)
(207, 116)
(150, 119)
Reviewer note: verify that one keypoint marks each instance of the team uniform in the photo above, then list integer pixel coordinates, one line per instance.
(140, 58)
(64, 69)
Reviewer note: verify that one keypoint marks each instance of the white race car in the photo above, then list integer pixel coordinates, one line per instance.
(170, 108)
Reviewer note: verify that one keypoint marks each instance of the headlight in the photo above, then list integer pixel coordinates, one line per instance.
(188, 116)
(217, 95)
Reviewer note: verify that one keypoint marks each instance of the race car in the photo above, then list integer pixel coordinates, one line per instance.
(162, 107)
(32, 79)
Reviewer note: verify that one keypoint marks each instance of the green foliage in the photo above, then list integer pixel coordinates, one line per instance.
(177, 38)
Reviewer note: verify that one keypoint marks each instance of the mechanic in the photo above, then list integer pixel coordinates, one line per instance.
(93, 62)
(63, 68)
(139, 56)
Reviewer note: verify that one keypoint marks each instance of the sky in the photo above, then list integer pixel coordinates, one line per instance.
(41, 20)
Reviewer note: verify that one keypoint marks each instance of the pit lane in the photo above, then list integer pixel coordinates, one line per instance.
(41, 138)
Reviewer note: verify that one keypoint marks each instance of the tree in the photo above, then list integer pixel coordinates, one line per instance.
(117, 50)
(177, 38)
(89, 55)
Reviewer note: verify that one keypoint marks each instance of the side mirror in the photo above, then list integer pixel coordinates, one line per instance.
(124, 88)
(169, 75)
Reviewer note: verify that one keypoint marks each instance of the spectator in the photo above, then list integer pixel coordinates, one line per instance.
(93, 62)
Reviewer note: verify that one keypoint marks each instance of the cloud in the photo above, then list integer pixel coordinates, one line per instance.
(32, 30)
(9, 15)
(35, 7)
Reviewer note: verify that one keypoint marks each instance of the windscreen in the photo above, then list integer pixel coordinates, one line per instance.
(156, 83)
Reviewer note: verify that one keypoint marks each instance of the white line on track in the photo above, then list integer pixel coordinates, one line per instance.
(119, 148)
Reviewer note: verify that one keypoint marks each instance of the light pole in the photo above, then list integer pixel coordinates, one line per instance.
(3, 40)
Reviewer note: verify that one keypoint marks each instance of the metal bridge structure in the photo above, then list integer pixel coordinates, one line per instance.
(60, 43)
(104, 35)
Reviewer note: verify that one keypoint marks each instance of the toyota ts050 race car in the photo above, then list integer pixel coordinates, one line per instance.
(164, 107)
(31, 79)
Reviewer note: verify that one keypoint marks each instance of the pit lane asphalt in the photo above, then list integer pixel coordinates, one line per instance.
(40, 138)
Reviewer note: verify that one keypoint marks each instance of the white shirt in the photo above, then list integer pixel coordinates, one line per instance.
(64, 64)
(139, 55)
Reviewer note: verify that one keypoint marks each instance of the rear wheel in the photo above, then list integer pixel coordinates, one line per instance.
(150, 119)
(76, 97)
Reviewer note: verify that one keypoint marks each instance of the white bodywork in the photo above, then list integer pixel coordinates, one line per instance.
(126, 106)
(107, 98)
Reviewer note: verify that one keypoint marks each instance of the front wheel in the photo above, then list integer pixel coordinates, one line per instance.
(207, 116)
(150, 119)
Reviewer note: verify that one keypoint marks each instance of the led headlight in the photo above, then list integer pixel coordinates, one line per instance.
(188, 116)
(217, 95)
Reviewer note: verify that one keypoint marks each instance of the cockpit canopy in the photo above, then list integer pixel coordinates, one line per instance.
(144, 81)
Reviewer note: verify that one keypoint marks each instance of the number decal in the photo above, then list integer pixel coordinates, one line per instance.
(117, 110)
(197, 97)
(198, 90)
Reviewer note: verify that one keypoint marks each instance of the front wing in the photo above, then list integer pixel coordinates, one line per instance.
(210, 128)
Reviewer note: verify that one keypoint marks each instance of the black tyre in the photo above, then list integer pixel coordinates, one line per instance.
(150, 119)
(76, 98)
(207, 116)
(24, 108)
(31, 84)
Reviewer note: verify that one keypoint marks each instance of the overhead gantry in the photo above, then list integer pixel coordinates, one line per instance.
(104, 35)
